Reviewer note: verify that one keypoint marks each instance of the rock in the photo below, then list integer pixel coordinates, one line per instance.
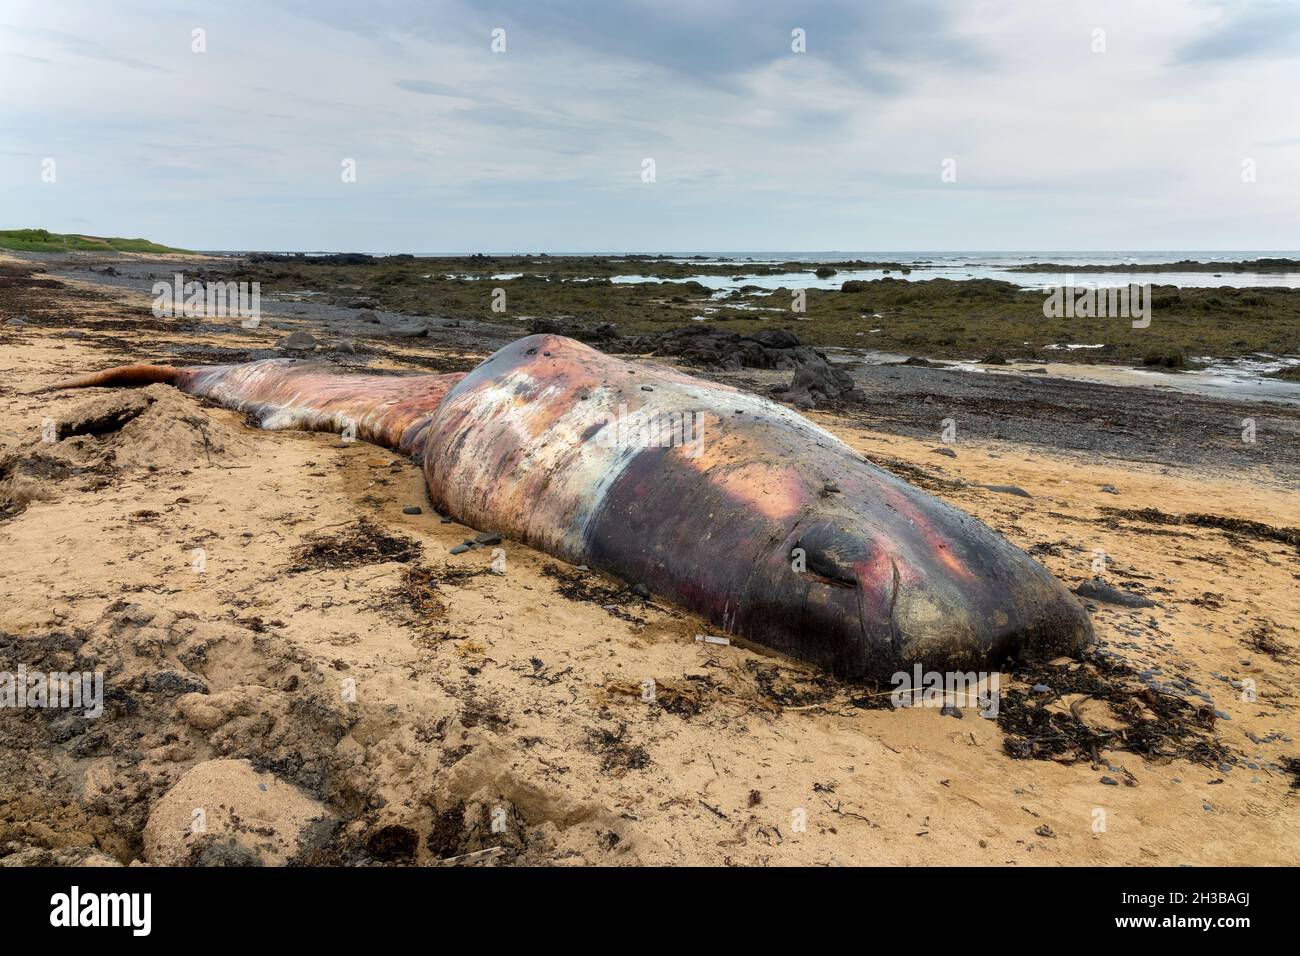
(241, 816)
(1099, 590)
(944, 451)
(641, 591)
(824, 272)
(461, 549)
(1040, 689)
(1007, 490)
(601, 332)
(1110, 781)
(333, 259)
(347, 346)
(816, 382)
(707, 347)
(948, 710)
(365, 304)
(487, 537)
(409, 332)
(1110, 489)
(775, 338)
(298, 342)
(368, 316)
(412, 510)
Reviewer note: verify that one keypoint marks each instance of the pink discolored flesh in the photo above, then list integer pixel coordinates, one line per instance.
(392, 411)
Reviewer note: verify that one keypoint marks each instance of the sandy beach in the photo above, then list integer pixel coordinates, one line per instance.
(287, 648)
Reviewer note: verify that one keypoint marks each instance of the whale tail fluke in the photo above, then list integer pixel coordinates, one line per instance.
(392, 411)
(126, 376)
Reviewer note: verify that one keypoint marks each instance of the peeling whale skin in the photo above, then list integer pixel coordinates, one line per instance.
(747, 514)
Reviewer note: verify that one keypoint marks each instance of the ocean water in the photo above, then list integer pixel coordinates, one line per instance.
(961, 265)
(996, 265)
(968, 265)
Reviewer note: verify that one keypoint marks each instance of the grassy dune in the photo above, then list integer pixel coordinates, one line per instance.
(42, 240)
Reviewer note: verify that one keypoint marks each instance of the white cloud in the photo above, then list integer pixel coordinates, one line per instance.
(1057, 147)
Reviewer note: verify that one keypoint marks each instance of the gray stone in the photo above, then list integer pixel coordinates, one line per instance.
(299, 342)
(1099, 590)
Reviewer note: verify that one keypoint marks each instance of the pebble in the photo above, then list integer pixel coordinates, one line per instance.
(412, 510)
(460, 549)
(1110, 781)
(948, 710)
(487, 537)
(1041, 689)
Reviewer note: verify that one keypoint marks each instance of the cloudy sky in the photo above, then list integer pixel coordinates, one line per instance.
(1055, 145)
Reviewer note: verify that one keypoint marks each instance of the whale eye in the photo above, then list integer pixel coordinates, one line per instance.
(827, 564)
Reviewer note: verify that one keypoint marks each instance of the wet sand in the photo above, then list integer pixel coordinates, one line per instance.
(405, 705)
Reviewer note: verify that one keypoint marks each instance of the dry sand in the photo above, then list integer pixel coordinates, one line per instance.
(353, 693)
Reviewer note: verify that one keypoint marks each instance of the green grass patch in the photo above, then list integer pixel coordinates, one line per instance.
(42, 240)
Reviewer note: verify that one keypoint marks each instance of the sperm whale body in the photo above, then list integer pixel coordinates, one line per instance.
(725, 503)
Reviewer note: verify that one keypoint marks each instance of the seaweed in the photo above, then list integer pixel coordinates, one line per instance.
(358, 545)
(1153, 725)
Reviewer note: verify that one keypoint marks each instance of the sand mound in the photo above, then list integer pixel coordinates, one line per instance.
(225, 813)
(155, 428)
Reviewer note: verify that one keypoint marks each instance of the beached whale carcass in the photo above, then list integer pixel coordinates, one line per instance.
(749, 514)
